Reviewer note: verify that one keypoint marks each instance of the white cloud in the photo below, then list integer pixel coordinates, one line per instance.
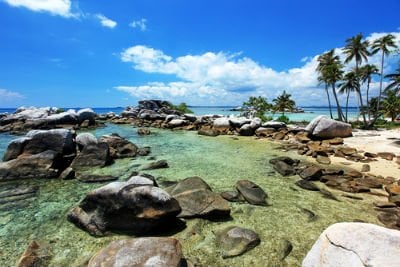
(6, 95)
(106, 22)
(226, 78)
(54, 7)
(140, 24)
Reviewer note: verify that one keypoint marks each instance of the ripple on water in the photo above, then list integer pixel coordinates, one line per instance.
(221, 161)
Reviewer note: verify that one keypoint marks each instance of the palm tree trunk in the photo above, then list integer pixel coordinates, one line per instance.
(347, 105)
(368, 107)
(361, 107)
(329, 100)
(380, 82)
(339, 109)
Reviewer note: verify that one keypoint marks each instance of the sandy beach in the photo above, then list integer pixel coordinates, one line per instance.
(375, 141)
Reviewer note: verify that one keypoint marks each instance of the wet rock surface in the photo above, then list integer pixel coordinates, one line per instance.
(235, 241)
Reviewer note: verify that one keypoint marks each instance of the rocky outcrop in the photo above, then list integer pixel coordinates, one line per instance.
(197, 199)
(93, 155)
(235, 241)
(25, 119)
(84, 139)
(349, 244)
(145, 251)
(135, 206)
(326, 128)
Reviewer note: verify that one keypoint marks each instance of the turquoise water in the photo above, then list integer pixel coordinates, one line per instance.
(221, 161)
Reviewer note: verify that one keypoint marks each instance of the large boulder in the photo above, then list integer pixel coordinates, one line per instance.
(84, 139)
(222, 124)
(86, 114)
(153, 104)
(119, 147)
(37, 141)
(66, 117)
(93, 155)
(197, 199)
(326, 128)
(355, 244)
(135, 207)
(41, 165)
(138, 252)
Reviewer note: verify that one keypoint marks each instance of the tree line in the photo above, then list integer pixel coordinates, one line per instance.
(358, 50)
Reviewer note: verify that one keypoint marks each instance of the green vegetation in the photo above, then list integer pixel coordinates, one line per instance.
(182, 107)
(357, 51)
(257, 106)
(284, 102)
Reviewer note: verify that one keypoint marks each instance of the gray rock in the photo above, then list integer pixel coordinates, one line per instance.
(143, 131)
(154, 165)
(15, 148)
(197, 200)
(307, 185)
(86, 114)
(119, 147)
(274, 124)
(58, 140)
(190, 117)
(235, 241)
(67, 117)
(311, 173)
(252, 193)
(326, 128)
(262, 131)
(284, 169)
(238, 122)
(125, 207)
(145, 251)
(68, 174)
(84, 139)
(94, 178)
(176, 123)
(221, 123)
(40, 165)
(208, 132)
(92, 155)
(349, 244)
(246, 130)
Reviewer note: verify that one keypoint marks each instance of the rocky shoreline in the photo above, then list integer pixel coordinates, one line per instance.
(141, 207)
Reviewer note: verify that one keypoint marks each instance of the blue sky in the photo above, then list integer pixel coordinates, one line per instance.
(71, 53)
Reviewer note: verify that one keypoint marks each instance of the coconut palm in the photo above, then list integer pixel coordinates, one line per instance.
(357, 49)
(329, 67)
(366, 73)
(383, 44)
(334, 73)
(395, 81)
(350, 84)
(284, 102)
(323, 61)
(391, 104)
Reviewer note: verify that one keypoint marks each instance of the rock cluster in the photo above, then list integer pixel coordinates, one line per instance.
(59, 152)
(25, 119)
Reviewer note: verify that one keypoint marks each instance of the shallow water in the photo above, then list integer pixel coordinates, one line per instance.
(221, 161)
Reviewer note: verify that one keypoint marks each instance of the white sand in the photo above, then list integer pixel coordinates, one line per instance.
(375, 141)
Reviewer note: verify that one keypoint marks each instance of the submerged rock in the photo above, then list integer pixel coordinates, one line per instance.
(252, 193)
(234, 241)
(349, 244)
(307, 185)
(36, 254)
(137, 252)
(125, 207)
(154, 165)
(197, 200)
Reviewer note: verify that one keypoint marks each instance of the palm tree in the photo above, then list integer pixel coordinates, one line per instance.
(329, 67)
(383, 44)
(284, 102)
(391, 104)
(357, 49)
(395, 80)
(325, 60)
(333, 74)
(366, 73)
(349, 85)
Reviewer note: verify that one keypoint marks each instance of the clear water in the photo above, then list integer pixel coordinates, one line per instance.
(221, 161)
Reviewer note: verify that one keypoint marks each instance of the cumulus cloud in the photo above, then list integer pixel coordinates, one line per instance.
(139, 24)
(6, 95)
(106, 22)
(54, 7)
(225, 78)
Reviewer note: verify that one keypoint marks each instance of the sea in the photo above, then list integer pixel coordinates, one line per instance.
(309, 112)
(221, 161)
